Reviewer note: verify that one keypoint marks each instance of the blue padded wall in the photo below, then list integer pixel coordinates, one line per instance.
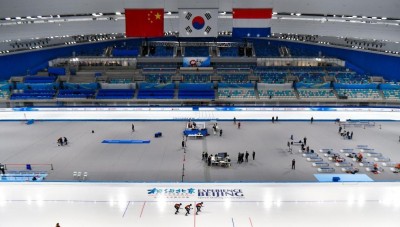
(34, 61)
(373, 63)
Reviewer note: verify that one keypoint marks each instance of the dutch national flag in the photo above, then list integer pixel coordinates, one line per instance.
(251, 22)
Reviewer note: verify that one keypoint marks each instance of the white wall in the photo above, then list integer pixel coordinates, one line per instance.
(365, 31)
(383, 8)
(386, 8)
(362, 31)
(26, 31)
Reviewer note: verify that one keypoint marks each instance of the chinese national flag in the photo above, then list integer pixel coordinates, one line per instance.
(144, 22)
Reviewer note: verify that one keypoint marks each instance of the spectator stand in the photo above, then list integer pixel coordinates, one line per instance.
(238, 65)
(156, 91)
(265, 49)
(196, 91)
(115, 94)
(119, 77)
(200, 51)
(361, 93)
(310, 77)
(235, 78)
(228, 52)
(315, 91)
(351, 78)
(271, 77)
(161, 51)
(5, 89)
(390, 91)
(162, 66)
(276, 91)
(160, 77)
(34, 91)
(236, 91)
(196, 77)
(78, 90)
(302, 52)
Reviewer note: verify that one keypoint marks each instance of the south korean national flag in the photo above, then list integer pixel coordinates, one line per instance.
(198, 22)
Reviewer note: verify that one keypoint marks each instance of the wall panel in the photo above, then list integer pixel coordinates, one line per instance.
(386, 8)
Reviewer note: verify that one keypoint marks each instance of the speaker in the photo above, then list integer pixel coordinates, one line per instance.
(152, 50)
(145, 50)
(249, 52)
(241, 51)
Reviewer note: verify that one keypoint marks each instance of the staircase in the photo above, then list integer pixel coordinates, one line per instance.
(108, 52)
(284, 52)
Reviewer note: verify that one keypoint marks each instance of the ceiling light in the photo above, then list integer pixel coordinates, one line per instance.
(118, 13)
(18, 18)
(7, 18)
(384, 18)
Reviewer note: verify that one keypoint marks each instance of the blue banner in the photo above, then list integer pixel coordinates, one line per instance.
(196, 61)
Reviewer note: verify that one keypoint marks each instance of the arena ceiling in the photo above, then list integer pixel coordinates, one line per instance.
(361, 19)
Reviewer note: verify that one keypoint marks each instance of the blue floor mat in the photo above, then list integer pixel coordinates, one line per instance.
(343, 177)
(126, 141)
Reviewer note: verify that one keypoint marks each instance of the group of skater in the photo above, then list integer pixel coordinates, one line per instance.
(235, 122)
(302, 143)
(216, 129)
(62, 141)
(243, 156)
(345, 134)
(188, 207)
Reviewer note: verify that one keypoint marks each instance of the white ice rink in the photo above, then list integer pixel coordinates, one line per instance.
(252, 205)
(43, 204)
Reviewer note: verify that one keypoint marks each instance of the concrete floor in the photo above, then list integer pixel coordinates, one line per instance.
(162, 160)
(290, 198)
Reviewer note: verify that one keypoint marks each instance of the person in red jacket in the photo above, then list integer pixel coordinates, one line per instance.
(198, 207)
(177, 207)
(187, 208)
